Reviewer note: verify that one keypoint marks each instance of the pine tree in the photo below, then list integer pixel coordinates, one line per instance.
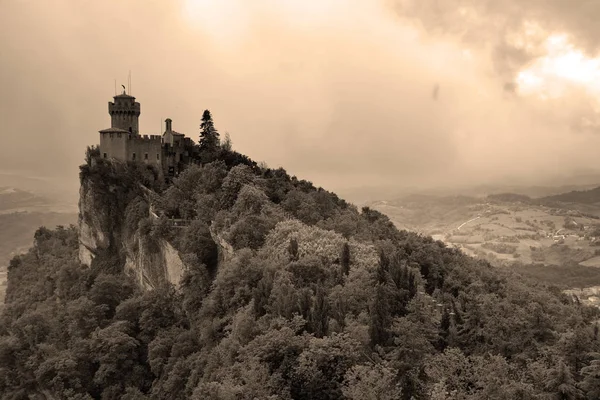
(209, 137)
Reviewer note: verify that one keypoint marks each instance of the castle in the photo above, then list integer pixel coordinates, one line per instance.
(122, 141)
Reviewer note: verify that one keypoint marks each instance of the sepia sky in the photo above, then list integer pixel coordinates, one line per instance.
(345, 93)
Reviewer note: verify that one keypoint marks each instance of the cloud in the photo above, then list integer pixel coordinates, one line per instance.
(513, 30)
(337, 92)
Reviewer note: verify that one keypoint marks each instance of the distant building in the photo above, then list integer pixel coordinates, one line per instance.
(122, 141)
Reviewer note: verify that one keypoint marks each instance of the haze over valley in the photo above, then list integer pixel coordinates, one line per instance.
(21, 214)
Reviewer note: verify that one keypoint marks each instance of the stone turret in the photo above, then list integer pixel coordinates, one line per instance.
(124, 113)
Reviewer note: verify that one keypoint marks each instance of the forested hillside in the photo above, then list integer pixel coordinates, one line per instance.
(591, 196)
(319, 300)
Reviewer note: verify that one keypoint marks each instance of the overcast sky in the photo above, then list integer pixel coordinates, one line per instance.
(344, 93)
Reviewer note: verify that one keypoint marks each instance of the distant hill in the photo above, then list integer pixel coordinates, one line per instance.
(21, 213)
(61, 189)
(18, 229)
(506, 227)
(591, 196)
(370, 194)
(510, 197)
(12, 198)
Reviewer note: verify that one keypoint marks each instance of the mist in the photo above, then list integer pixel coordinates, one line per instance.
(347, 94)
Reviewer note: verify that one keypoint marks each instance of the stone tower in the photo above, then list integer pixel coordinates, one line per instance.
(124, 113)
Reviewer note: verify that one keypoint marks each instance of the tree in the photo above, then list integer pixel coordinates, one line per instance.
(237, 177)
(380, 317)
(366, 382)
(293, 249)
(319, 316)
(560, 382)
(209, 137)
(226, 144)
(345, 259)
(591, 378)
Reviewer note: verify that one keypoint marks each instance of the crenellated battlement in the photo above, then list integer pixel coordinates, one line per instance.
(124, 108)
(150, 137)
(130, 136)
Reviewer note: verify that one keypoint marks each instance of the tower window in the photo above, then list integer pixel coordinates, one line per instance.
(157, 156)
(105, 155)
(145, 156)
(133, 158)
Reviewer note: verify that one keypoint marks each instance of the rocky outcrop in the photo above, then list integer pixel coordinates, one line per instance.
(110, 208)
(102, 229)
(91, 227)
(153, 264)
(225, 249)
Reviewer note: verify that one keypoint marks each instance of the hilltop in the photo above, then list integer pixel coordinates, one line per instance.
(591, 196)
(239, 281)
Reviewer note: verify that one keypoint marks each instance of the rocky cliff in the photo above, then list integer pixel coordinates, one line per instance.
(117, 228)
(102, 232)
(153, 265)
(92, 236)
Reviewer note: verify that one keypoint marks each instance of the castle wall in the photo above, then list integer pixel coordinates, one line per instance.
(147, 149)
(114, 145)
(128, 147)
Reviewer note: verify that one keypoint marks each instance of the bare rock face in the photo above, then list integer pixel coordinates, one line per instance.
(108, 233)
(91, 234)
(103, 230)
(226, 251)
(153, 264)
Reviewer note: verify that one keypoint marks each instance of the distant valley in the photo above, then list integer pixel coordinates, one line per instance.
(554, 238)
(22, 212)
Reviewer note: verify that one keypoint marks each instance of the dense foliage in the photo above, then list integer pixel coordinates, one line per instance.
(317, 301)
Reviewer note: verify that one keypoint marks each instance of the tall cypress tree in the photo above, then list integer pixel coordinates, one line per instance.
(345, 259)
(380, 317)
(319, 316)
